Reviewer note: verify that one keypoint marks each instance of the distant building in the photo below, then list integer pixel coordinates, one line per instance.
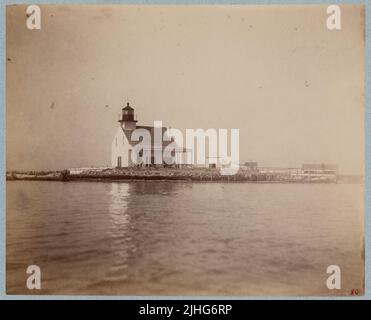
(251, 165)
(320, 169)
(123, 144)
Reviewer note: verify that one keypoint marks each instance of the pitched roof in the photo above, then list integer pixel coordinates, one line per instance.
(128, 107)
(151, 131)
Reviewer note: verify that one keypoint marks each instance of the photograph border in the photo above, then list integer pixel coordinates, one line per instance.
(367, 177)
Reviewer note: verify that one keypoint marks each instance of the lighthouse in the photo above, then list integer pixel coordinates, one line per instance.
(123, 152)
(127, 119)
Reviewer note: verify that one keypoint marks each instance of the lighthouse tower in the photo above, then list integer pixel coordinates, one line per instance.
(127, 120)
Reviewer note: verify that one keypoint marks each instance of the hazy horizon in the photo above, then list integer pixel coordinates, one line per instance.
(294, 88)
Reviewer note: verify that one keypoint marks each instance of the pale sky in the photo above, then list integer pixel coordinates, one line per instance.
(294, 88)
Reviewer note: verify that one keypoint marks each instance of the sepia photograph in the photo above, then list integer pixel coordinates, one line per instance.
(185, 150)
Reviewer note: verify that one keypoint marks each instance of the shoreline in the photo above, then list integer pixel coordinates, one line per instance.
(170, 174)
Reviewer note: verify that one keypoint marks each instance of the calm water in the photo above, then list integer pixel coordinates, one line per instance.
(175, 238)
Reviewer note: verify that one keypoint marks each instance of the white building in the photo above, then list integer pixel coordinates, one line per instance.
(123, 145)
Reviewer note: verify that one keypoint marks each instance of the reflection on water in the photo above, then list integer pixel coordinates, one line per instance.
(119, 229)
(175, 238)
